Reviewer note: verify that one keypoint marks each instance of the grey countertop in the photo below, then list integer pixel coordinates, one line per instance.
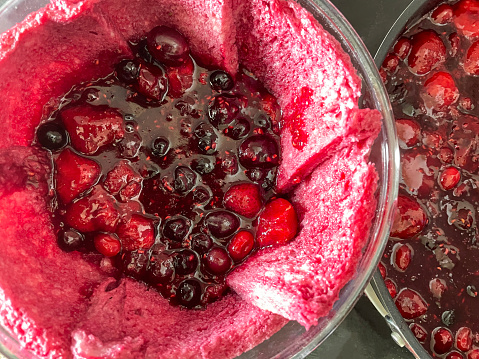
(364, 334)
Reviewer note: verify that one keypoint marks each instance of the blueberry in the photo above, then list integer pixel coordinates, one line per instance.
(203, 166)
(201, 243)
(262, 121)
(143, 52)
(160, 146)
(221, 81)
(259, 151)
(161, 269)
(207, 138)
(218, 261)
(70, 240)
(185, 179)
(222, 109)
(201, 195)
(255, 174)
(185, 262)
(222, 224)
(176, 228)
(189, 293)
(167, 46)
(135, 263)
(238, 129)
(127, 71)
(52, 136)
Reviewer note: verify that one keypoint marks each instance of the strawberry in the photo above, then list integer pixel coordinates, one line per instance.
(107, 244)
(410, 304)
(410, 218)
(402, 48)
(391, 287)
(152, 82)
(390, 63)
(244, 199)
(409, 132)
(442, 14)
(466, 13)
(437, 287)
(180, 78)
(92, 127)
(419, 332)
(382, 270)
(441, 340)
(94, 212)
(440, 91)
(277, 224)
(464, 339)
(427, 52)
(241, 245)
(402, 256)
(123, 180)
(136, 233)
(74, 175)
(471, 64)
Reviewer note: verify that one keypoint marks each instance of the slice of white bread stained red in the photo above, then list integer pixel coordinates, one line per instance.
(130, 320)
(306, 69)
(207, 25)
(44, 291)
(302, 279)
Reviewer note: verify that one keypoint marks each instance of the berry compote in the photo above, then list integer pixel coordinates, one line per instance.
(165, 171)
(431, 265)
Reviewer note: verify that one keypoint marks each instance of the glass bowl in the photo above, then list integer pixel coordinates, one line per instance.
(293, 341)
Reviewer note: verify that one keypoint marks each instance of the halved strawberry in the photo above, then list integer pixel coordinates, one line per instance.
(74, 174)
(471, 63)
(440, 91)
(136, 233)
(466, 13)
(244, 199)
(107, 244)
(427, 52)
(91, 127)
(409, 132)
(94, 212)
(152, 82)
(180, 78)
(410, 218)
(123, 180)
(277, 224)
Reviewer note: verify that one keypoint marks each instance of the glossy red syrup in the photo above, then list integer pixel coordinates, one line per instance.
(168, 169)
(432, 255)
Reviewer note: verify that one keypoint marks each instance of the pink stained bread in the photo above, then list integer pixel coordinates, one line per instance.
(43, 290)
(311, 76)
(208, 25)
(302, 279)
(152, 328)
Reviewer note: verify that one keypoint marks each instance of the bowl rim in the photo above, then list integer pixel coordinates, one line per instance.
(345, 33)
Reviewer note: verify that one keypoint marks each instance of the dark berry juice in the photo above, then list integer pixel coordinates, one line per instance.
(431, 263)
(165, 171)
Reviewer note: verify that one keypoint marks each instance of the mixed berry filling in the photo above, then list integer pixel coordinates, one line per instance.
(430, 265)
(165, 171)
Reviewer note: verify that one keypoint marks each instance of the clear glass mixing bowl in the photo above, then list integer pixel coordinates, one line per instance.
(293, 341)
